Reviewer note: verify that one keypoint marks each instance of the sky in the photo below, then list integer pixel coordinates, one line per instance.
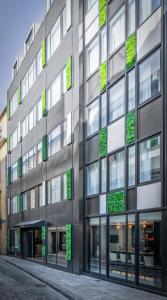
(16, 18)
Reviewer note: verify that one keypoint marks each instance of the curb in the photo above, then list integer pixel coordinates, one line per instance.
(66, 293)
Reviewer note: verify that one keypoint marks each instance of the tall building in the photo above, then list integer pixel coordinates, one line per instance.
(3, 182)
(87, 141)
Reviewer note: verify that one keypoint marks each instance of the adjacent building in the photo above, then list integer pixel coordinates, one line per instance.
(3, 186)
(87, 141)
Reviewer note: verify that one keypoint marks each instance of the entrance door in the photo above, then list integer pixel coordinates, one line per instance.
(30, 243)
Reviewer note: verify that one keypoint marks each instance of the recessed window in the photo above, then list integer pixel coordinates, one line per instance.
(131, 166)
(103, 103)
(14, 172)
(64, 187)
(93, 179)
(131, 90)
(149, 76)
(54, 190)
(24, 199)
(146, 8)
(116, 170)
(93, 57)
(32, 198)
(14, 207)
(90, 4)
(53, 39)
(41, 196)
(54, 141)
(149, 152)
(103, 175)
(117, 100)
(117, 30)
(103, 45)
(131, 19)
(13, 104)
(93, 117)
(39, 153)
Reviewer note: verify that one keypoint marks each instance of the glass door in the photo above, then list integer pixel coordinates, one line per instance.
(57, 246)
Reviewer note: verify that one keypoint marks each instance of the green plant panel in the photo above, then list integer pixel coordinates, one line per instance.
(9, 175)
(44, 110)
(19, 167)
(43, 232)
(103, 76)
(44, 148)
(103, 16)
(116, 202)
(8, 110)
(43, 250)
(69, 184)
(103, 142)
(130, 127)
(102, 3)
(19, 95)
(69, 73)
(68, 242)
(43, 53)
(131, 51)
(19, 202)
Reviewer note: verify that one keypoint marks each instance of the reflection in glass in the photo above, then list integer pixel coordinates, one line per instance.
(117, 30)
(103, 175)
(131, 90)
(149, 74)
(131, 247)
(116, 170)
(117, 100)
(117, 247)
(147, 8)
(94, 245)
(150, 159)
(93, 117)
(103, 110)
(57, 246)
(131, 165)
(103, 246)
(149, 249)
(93, 179)
(131, 16)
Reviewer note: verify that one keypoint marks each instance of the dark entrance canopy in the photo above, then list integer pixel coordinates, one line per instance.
(30, 224)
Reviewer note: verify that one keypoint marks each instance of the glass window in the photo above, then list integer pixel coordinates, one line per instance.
(39, 62)
(13, 104)
(149, 151)
(32, 159)
(55, 36)
(40, 193)
(117, 246)
(103, 174)
(131, 90)
(24, 201)
(55, 91)
(94, 247)
(64, 187)
(14, 139)
(103, 45)
(25, 163)
(149, 75)
(14, 205)
(117, 30)
(64, 81)
(54, 141)
(57, 246)
(131, 16)
(39, 110)
(90, 4)
(131, 166)
(116, 171)
(131, 247)
(93, 117)
(31, 119)
(32, 198)
(64, 22)
(146, 8)
(14, 172)
(149, 249)
(93, 57)
(103, 104)
(93, 179)
(117, 100)
(31, 76)
(54, 190)
(39, 153)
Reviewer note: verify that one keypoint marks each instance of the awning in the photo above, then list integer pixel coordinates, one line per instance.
(31, 224)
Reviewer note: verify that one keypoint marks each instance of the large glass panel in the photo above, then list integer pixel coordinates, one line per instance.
(131, 16)
(103, 104)
(92, 57)
(57, 246)
(55, 190)
(117, 100)
(149, 249)
(149, 159)
(94, 245)
(146, 8)
(103, 246)
(149, 76)
(32, 198)
(117, 246)
(13, 104)
(117, 30)
(93, 117)
(55, 36)
(131, 166)
(131, 248)
(24, 199)
(116, 171)
(90, 4)
(93, 179)
(103, 174)
(131, 90)
(103, 45)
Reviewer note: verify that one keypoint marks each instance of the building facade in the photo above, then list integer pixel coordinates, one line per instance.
(3, 186)
(87, 142)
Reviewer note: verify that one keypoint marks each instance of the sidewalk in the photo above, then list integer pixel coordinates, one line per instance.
(80, 287)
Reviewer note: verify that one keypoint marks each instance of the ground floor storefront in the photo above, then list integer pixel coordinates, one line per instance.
(127, 248)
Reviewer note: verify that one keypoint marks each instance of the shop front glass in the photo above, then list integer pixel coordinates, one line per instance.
(57, 246)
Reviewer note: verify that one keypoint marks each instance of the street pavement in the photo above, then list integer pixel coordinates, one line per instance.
(74, 287)
(17, 285)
